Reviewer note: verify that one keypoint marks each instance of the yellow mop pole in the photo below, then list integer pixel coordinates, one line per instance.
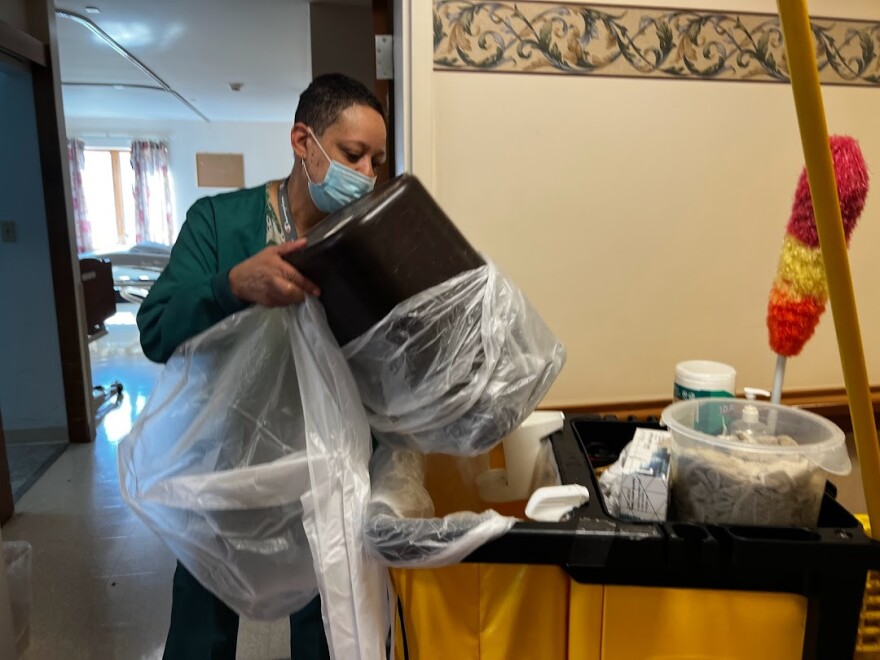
(804, 69)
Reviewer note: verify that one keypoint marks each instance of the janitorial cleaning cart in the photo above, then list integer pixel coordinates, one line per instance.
(593, 585)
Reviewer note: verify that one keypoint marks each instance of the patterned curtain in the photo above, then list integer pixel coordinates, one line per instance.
(154, 221)
(76, 157)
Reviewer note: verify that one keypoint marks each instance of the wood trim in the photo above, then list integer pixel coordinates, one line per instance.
(115, 156)
(22, 45)
(69, 306)
(7, 507)
(830, 403)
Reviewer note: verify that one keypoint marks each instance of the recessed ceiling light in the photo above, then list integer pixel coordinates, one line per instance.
(92, 10)
(236, 86)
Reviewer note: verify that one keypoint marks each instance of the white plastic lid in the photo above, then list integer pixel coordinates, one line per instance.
(705, 375)
(552, 503)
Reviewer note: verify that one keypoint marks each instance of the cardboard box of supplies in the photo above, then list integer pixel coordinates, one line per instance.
(644, 484)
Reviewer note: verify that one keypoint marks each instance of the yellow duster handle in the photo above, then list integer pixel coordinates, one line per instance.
(804, 70)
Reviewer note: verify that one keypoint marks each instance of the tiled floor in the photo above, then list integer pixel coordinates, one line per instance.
(102, 580)
(28, 460)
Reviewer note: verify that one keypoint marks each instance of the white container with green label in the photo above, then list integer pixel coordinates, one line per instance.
(703, 379)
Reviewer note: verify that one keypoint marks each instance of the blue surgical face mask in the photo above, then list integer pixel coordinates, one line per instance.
(341, 184)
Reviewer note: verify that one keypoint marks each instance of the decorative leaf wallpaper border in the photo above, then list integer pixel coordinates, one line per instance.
(602, 40)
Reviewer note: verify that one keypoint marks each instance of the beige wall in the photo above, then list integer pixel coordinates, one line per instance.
(642, 217)
(343, 41)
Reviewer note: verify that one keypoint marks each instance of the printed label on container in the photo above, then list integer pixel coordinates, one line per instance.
(711, 422)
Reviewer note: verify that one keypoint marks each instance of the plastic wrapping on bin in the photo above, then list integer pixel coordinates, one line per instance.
(457, 367)
(401, 529)
(250, 458)
(379, 251)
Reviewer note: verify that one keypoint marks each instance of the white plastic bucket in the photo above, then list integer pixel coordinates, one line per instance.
(521, 448)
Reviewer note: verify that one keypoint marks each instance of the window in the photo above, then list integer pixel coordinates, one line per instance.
(108, 183)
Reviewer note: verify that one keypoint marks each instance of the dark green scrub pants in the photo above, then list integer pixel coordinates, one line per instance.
(203, 628)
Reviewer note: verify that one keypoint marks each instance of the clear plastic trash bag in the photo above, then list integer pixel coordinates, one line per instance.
(250, 461)
(401, 528)
(457, 367)
(18, 558)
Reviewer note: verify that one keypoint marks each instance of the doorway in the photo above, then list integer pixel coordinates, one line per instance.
(32, 395)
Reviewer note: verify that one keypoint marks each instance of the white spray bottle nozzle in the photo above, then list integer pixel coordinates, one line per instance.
(750, 413)
(752, 393)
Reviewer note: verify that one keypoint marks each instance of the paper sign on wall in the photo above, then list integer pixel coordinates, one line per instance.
(220, 170)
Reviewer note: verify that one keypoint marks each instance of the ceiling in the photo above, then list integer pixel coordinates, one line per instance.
(197, 47)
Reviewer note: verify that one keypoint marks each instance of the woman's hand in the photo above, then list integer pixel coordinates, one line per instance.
(266, 279)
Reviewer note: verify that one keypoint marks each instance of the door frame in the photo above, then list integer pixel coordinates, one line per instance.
(39, 51)
(7, 506)
(383, 24)
(413, 89)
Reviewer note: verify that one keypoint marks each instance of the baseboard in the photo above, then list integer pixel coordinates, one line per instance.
(42, 435)
(830, 403)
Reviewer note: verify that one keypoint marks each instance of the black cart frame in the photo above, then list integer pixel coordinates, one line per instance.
(828, 565)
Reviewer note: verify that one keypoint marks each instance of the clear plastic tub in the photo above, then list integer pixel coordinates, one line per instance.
(775, 476)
